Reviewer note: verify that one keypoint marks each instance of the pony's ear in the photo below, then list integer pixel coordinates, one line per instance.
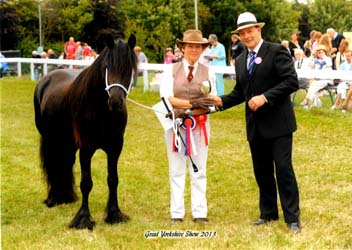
(109, 40)
(132, 41)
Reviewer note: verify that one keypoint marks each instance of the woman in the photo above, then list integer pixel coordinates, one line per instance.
(294, 43)
(181, 86)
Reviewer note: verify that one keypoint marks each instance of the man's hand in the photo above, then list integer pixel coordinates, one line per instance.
(216, 100)
(201, 102)
(256, 102)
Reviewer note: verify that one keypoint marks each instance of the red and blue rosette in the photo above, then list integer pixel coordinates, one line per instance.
(189, 124)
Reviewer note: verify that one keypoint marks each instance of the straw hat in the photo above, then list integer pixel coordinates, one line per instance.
(192, 36)
(246, 20)
(321, 47)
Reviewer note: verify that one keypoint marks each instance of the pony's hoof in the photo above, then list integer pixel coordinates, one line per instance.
(82, 223)
(82, 220)
(116, 217)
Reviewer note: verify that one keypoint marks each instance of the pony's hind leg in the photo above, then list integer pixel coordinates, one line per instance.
(57, 164)
(113, 212)
(83, 219)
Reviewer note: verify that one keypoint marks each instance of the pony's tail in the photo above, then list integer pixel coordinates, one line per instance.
(57, 162)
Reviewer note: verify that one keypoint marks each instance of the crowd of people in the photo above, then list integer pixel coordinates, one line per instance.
(328, 51)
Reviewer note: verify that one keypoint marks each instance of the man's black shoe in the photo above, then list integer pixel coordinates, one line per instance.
(294, 227)
(261, 221)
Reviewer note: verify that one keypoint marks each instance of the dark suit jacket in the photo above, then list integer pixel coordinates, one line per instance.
(275, 77)
(336, 42)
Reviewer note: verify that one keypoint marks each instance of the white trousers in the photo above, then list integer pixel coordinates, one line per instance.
(178, 164)
(314, 88)
(342, 89)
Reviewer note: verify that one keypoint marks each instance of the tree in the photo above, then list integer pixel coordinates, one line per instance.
(335, 14)
(157, 23)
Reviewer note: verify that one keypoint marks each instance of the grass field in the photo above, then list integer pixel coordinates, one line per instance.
(322, 161)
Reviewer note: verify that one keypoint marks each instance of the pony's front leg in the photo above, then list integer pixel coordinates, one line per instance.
(113, 212)
(83, 219)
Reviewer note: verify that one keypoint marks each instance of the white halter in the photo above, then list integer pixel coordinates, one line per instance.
(108, 87)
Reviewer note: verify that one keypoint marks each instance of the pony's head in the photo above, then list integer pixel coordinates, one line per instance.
(119, 63)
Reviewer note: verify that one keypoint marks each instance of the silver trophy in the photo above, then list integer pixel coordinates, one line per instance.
(205, 87)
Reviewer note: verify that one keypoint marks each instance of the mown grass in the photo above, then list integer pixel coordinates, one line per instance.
(322, 160)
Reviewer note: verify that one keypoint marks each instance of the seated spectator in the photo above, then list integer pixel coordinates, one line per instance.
(347, 101)
(3, 66)
(342, 87)
(321, 62)
(301, 63)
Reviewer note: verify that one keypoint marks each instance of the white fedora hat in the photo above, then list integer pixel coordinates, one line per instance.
(246, 20)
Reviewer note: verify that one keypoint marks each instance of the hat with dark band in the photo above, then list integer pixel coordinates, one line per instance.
(246, 20)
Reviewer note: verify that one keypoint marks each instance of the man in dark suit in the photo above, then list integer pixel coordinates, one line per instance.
(265, 83)
(336, 39)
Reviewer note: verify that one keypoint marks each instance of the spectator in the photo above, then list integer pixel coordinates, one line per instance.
(169, 56)
(308, 44)
(86, 50)
(178, 56)
(79, 51)
(38, 68)
(325, 40)
(343, 86)
(347, 101)
(141, 57)
(336, 39)
(205, 57)
(294, 43)
(286, 44)
(340, 55)
(236, 47)
(322, 62)
(4, 67)
(218, 58)
(70, 48)
(316, 37)
(52, 54)
(301, 63)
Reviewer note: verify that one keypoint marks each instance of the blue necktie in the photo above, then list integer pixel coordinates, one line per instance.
(251, 61)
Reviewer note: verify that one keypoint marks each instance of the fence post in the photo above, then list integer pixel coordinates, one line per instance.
(19, 69)
(145, 80)
(32, 71)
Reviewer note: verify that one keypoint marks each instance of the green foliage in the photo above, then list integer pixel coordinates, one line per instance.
(158, 23)
(335, 14)
(321, 157)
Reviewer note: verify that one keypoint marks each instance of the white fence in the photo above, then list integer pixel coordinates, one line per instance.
(318, 74)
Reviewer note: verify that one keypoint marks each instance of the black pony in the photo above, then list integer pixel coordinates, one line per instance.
(86, 111)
